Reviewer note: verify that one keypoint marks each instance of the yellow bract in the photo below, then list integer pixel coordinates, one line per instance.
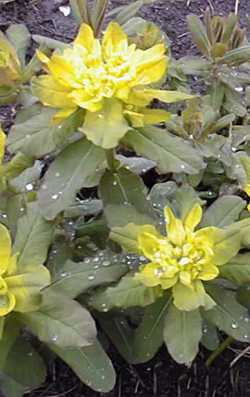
(181, 260)
(91, 72)
(2, 145)
(19, 288)
(10, 69)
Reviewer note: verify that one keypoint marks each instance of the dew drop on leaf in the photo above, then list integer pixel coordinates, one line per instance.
(29, 187)
(55, 196)
(235, 325)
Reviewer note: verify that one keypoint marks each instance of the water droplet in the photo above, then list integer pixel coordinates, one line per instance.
(91, 277)
(57, 174)
(54, 338)
(44, 187)
(64, 274)
(239, 89)
(234, 324)
(29, 187)
(106, 263)
(246, 318)
(54, 196)
(114, 183)
(183, 166)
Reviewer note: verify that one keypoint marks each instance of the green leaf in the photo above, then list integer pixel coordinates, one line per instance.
(227, 244)
(84, 208)
(184, 200)
(98, 14)
(9, 387)
(199, 34)
(61, 321)
(128, 292)
(19, 163)
(20, 38)
(34, 236)
(138, 165)
(243, 295)
(224, 211)
(49, 43)
(24, 365)
(233, 102)
(210, 338)
(80, 11)
(127, 237)
(217, 94)
(237, 270)
(193, 65)
(162, 193)
(2, 324)
(119, 332)
(172, 154)
(228, 315)
(148, 336)
(11, 208)
(78, 165)
(24, 182)
(77, 277)
(128, 11)
(230, 25)
(91, 364)
(236, 56)
(35, 133)
(124, 198)
(10, 334)
(106, 127)
(182, 334)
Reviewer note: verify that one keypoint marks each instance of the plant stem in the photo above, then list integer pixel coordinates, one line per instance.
(227, 342)
(110, 156)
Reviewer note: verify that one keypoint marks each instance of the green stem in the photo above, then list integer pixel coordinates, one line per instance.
(223, 346)
(110, 156)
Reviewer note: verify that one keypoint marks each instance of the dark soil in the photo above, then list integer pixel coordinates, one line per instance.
(160, 377)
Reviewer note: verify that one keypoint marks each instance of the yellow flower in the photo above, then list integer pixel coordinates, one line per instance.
(109, 78)
(19, 288)
(182, 260)
(2, 145)
(10, 68)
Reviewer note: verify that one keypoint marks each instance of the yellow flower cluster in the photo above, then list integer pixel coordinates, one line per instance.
(10, 68)
(181, 260)
(19, 288)
(109, 78)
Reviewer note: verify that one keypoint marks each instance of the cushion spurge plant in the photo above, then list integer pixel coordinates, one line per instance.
(112, 211)
(110, 79)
